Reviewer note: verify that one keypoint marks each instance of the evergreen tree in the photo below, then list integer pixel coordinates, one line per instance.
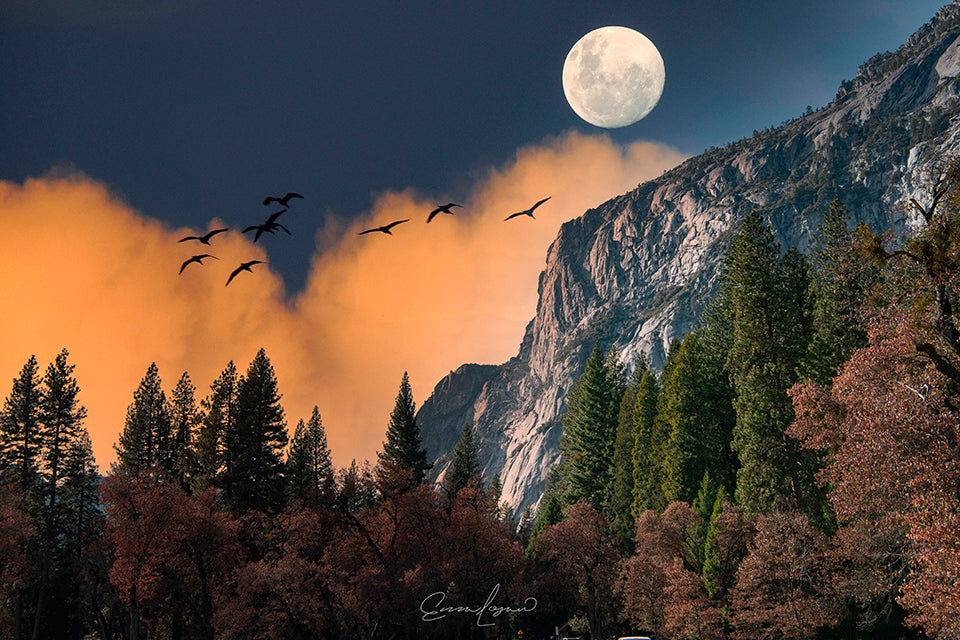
(147, 439)
(841, 278)
(309, 469)
(696, 404)
(589, 429)
(20, 429)
(254, 475)
(648, 441)
(618, 511)
(219, 411)
(62, 432)
(769, 335)
(184, 418)
(355, 488)
(403, 455)
(466, 464)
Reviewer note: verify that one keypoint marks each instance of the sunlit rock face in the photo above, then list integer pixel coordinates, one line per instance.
(638, 270)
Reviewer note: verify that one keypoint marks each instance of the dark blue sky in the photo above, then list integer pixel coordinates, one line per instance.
(198, 109)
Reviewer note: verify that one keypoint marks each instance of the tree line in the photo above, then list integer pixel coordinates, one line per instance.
(791, 473)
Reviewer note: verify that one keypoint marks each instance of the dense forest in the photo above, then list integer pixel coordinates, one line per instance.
(793, 472)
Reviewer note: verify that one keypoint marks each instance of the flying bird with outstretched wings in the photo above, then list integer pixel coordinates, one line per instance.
(282, 200)
(270, 226)
(198, 259)
(243, 267)
(527, 212)
(443, 208)
(385, 228)
(205, 239)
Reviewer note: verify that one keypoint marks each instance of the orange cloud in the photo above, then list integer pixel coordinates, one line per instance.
(85, 272)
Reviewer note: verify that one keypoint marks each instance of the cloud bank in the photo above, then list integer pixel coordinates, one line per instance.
(86, 272)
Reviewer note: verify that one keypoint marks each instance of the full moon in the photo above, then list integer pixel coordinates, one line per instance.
(613, 77)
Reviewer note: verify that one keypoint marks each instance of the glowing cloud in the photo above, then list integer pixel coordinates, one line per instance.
(85, 272)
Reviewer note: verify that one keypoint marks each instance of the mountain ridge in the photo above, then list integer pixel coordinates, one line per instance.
(637, 270)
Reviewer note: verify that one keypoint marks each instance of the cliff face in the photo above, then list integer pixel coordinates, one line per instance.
(639, 269)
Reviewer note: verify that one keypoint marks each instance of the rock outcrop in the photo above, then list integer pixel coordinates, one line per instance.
(638, 270)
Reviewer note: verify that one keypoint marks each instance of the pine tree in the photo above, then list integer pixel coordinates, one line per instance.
(183, 416)
(618, 509)
(254, 478)
(147, 439)
(769, 334)
(219, 411)
(648, 441)
(20, 429)
(355, 488)
(589, 430)
(62, 431)
(403, 456)
(68, 496)
(466, 464)
(309, 469)
(696, 402)
(841, 278)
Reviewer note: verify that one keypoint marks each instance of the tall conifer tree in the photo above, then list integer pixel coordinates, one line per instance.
(403, 450)
(183, 416)
(309, 469)
(147, 439)
(697, 405)
(20, 429)
(589, 430)
(219, 411)
(769, 333)
(648, 441)
(841, 278)
(466, 463)
(254, 479)
(618, 509)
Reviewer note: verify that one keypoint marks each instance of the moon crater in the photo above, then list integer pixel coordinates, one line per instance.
(613, 77)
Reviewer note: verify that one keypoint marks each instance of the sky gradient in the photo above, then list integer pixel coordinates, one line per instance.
(127, 125)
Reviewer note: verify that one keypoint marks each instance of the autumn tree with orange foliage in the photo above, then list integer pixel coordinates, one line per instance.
(890, 424)
(172, 553)
(579, 551)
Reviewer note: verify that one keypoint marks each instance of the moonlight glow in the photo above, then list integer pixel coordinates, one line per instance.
(613, 76)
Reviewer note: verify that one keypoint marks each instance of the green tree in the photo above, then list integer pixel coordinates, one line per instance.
(466, 464)
(254, 477)
(184, 418)
(61, 431)
(147, 439)
(20, 429)
(696, 405)
(645, 454)
(765, 295)
(219, 415)
(309, 468)
(618, 508)
(589, 430)
(840, 280)
(403, 456)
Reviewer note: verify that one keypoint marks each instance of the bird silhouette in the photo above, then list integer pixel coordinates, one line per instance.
(205, 239)
(198, 259)
(270, 226)
(282, 200)
(243, 267)
(445, 208)
(385, 228)
(527, 212)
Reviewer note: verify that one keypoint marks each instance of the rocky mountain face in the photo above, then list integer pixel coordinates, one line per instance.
(638, 270)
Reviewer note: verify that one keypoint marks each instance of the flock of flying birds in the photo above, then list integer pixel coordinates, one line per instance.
(272, 226)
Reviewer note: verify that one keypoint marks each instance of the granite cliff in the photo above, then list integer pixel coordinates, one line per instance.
(638, 270)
